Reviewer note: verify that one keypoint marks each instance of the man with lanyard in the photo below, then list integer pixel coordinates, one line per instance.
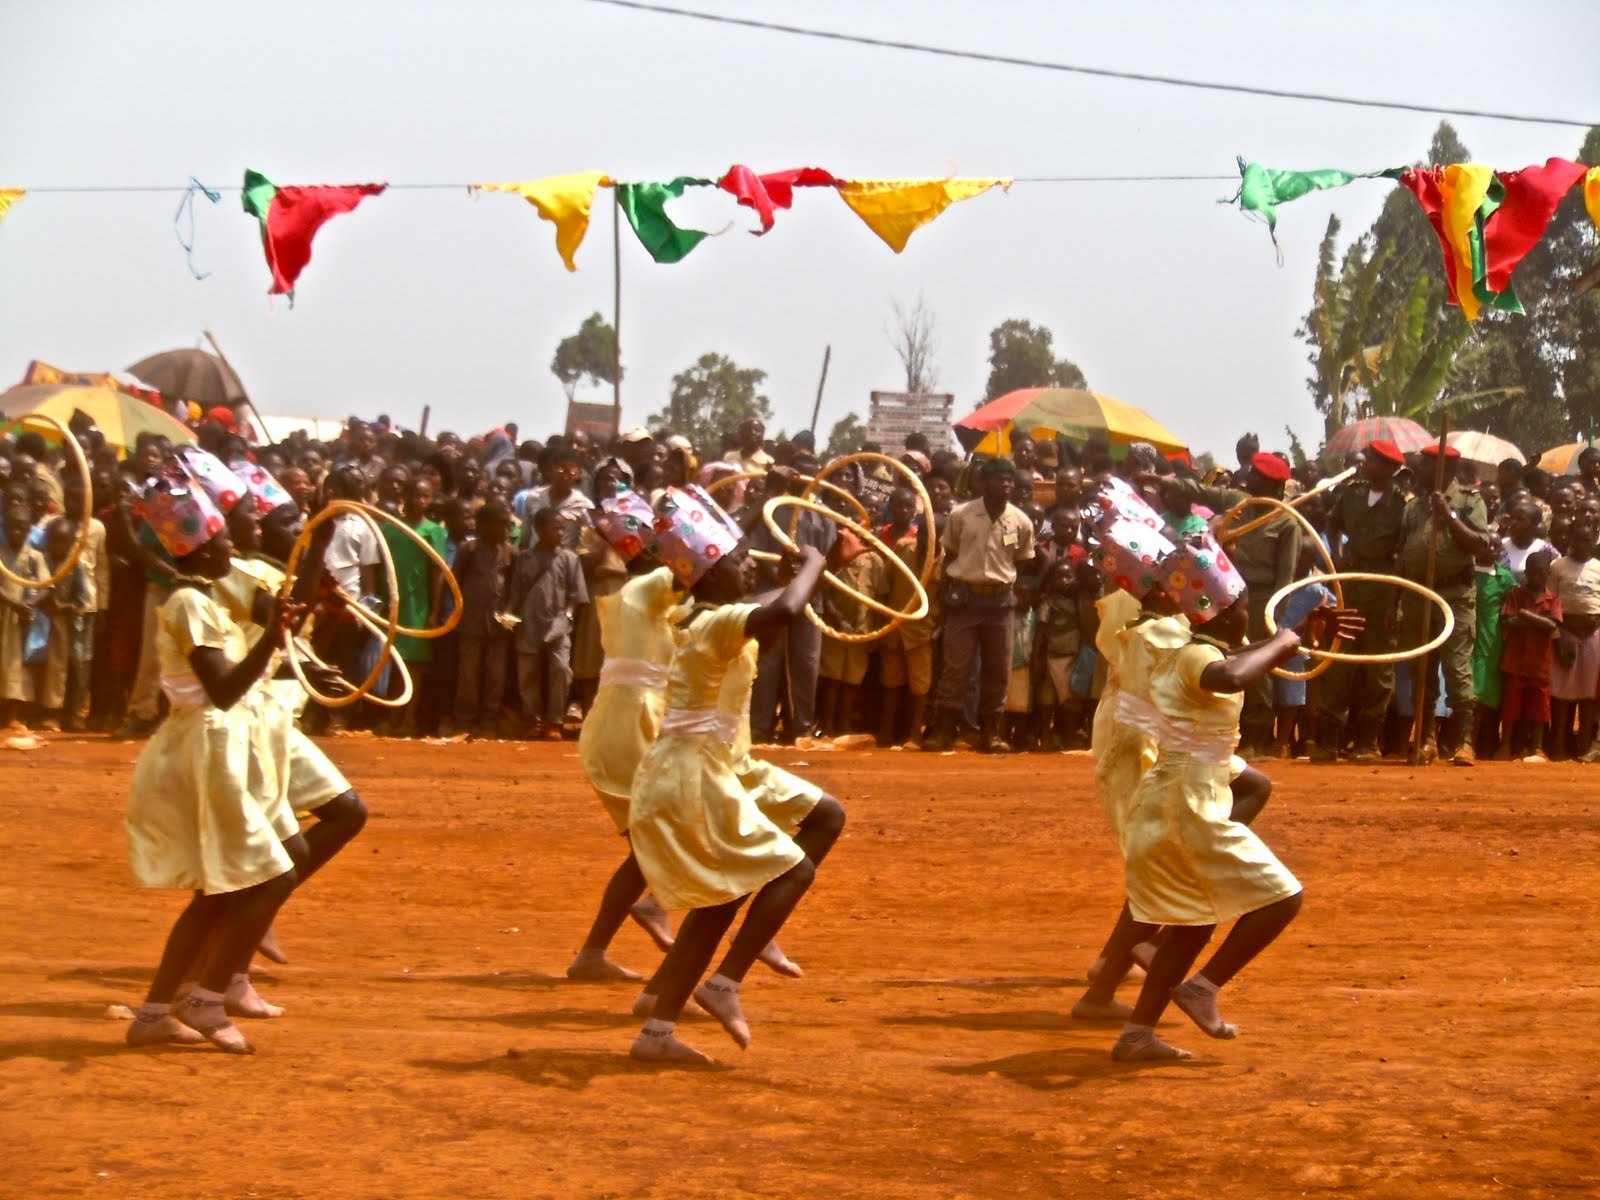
(1364, 532)
(750, 454)
(984, 540)
(1462, 534)
(1267, 558)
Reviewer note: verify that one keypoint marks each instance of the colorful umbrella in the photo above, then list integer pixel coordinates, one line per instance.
(1072, 413)
(1562, 460)
(1483, 449)
(121, 417)
(1403, 432)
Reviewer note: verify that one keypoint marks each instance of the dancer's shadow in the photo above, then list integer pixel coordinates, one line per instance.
(75, 1053)
(104, 976)
(66, 1010)
(494, 979)
(570, 1019)
(998, 984)
(1065, 1068)
(1005, 1022)
(570, 1070)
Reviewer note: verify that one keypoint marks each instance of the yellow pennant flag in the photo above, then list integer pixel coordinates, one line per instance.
(564, 201)
(1591, 195)
(9, 196)
(1462, 191)
(894, 209)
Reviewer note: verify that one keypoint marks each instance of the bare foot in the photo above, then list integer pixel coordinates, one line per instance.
(595, 967)
(723, 1004)
(778, 961)
(269, 949)
(242, 1000)
(667, 1050)
(652, 918)
(1146, 1047)
(209, 1018)
(161, 1031)
(1112, 1010)
(1199, 1004)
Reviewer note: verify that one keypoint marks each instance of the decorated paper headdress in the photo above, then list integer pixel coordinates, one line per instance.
(179, 513)
(1202, 579)
(627, 521)
(266, 491)
(221, 486)
(1117, 501)
(1131, 554)
(693, 533)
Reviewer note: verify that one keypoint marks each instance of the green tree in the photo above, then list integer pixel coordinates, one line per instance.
(710, 398)
(590, 354)
(1021, 355)
(847, 436)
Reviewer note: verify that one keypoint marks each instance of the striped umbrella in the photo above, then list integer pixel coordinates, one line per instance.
(1562, 460)
(120, 416)
(1402, 431)
(1071, 413)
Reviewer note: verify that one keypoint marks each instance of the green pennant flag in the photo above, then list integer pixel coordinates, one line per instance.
(1262, 189)
(646, 207)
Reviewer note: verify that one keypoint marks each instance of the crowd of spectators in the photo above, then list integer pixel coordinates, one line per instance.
(1005, 658)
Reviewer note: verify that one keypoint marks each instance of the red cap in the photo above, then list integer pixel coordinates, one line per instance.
(1384, 448)
(1450, 452)
(222, 416)
(1270, 466)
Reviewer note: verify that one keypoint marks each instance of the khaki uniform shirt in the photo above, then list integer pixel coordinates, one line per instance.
(1372, 532)
(1452, 565)
(983, 551)
(1266, 557)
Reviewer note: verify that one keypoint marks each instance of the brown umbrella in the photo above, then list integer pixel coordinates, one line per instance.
(191, 375)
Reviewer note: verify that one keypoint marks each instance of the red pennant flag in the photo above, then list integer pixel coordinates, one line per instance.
(765, 193)
(1532, 195)
(290, 218)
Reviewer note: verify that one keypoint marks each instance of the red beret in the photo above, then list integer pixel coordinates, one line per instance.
(1450, 452)
(1270, 466)
(222, 416)
(1384, 448)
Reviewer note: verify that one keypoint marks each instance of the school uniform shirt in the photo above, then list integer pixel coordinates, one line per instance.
(985, 550)
(15, 681)
(352, 546)
(1528, 649)
(545, 587)
(758, 463)
(574, 510)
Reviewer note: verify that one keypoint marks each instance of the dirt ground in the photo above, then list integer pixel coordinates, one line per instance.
(1427, 1029)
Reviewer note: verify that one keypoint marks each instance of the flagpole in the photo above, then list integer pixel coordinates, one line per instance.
(616, 312)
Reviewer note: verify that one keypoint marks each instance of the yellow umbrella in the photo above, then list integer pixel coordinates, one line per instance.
(1073, 413)
(1562, 460)
(120, 416)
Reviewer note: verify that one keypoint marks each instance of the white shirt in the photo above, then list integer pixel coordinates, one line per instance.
(352, 547)
(1514, 558)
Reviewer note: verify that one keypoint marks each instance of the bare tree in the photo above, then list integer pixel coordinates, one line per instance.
(913, 333)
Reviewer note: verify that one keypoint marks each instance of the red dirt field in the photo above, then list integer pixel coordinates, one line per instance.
(1427, 1029)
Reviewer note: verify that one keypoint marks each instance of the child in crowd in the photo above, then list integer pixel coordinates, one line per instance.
(905, 655)
(63, 677)
(1060, 637)
(1575, 578)
(16, 610)
(1019, 695)
(1494, 583)
(545, 591)
(420, 584)
(1289, 695)
(1522, 525)
(843, 665)
(1531, 619)
(483, 568)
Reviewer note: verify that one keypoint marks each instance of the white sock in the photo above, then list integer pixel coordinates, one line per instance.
(655, 1027)
(151, 1011)
(1134, 1032)
(200, 995)
(1203, 984)
(588, 953)
(721, 983)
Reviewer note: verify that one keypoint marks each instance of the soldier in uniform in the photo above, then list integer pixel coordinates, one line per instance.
(1266, 557)
(1462, 534)
(1364, 531)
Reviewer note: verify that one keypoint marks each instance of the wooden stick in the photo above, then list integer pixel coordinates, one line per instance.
(1419, 684)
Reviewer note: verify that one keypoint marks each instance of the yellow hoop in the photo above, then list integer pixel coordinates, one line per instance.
(450, 622)
(1323, 486)
(872, 541)
(291, 569)
(1226, 536)
(930, 554)
(1397, 656)
(67, 440)
(363, 617)
(811, 482)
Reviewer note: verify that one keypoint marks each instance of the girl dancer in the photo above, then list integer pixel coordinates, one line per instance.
(706, 836)
(203, 805)
(1190, 864)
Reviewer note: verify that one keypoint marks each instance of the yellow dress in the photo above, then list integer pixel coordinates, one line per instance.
(311, 779)
(636, 633)
(1132, 738)
(1187, 861)
(699, 833)
(206, 788)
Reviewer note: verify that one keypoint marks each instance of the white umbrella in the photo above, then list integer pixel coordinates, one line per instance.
(1483, 449)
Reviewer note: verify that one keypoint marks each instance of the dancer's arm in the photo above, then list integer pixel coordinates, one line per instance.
(225, 682)
(777, 614)
(1238, 671)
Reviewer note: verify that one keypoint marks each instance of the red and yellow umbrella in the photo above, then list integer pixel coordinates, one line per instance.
(1072, 413)
(120, 416)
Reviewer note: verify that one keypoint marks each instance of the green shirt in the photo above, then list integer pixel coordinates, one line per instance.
(414, 579)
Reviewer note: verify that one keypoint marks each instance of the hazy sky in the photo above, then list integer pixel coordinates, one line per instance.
(1164, 297)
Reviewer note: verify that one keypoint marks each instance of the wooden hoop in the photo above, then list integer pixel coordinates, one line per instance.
(811, 481)
(363, 617)
(1397, 656)
(435, 631)
(1331, 575)
(83, 522)
(930, 554)
(1252, 526)
(291, 569)
(872, 541)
